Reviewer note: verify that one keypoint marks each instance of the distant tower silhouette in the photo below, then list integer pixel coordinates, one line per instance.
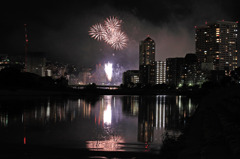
(26, 46)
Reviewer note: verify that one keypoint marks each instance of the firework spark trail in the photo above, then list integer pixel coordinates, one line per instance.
(108, 70)
(110, 32)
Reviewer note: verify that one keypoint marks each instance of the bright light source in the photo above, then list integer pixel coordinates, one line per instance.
(108, 70)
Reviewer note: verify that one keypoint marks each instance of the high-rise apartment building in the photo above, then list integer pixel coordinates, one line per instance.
(160, 72)
(216, 45)
(146, 61)
(147, 52)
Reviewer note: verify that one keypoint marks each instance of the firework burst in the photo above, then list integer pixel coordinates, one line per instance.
(110, 32)
(119, 40)
(113, 24)
(108, 70)
(97, 32)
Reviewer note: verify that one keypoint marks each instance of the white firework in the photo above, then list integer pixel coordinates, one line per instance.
(108, 70)
(110, 32)
(119, 40)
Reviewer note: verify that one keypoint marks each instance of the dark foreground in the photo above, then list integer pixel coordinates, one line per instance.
(213, 131)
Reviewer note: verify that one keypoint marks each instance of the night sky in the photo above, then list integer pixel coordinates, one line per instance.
(60, 28)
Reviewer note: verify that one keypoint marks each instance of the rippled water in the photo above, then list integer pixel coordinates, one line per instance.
(107, 123)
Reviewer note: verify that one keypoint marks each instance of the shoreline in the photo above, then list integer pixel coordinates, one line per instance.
(69, 92)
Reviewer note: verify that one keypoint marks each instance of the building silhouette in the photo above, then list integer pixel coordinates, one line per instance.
(146, 61)
(174, 71)
(130, 77)
(216, 46)
(190, 73)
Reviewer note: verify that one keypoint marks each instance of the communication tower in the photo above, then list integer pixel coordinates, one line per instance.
(26, 46)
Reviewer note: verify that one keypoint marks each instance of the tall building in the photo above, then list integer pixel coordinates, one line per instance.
(216, 45)
(174, 71)
(160, 72)
(146, 61)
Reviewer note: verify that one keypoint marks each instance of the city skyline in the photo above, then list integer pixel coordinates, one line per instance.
(214, 41)
(63, 35)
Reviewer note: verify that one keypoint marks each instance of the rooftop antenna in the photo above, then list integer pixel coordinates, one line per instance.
(26, 45)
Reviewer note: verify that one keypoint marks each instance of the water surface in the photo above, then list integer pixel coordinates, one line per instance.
(107, 123)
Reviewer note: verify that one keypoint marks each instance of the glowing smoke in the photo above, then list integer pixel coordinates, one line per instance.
(110, 32)
(108, 70)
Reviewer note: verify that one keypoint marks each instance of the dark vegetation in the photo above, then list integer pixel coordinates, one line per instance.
(14, 79)
(214, 130)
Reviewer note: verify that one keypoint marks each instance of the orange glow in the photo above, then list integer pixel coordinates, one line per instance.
(24, 141)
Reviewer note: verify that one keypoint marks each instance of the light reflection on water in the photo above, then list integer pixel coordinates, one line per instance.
(112, 123)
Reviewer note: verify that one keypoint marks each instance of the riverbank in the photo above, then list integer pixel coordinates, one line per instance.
(89, 92)
(213, 131)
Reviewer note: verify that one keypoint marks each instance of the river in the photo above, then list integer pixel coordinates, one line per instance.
(104, 123)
